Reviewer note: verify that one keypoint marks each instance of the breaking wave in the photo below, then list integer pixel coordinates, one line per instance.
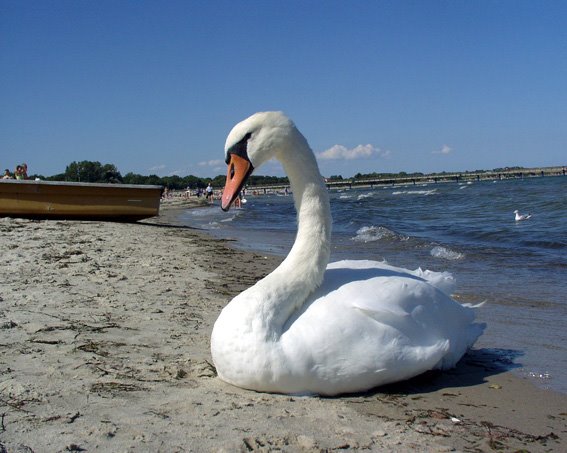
(445, 253)
(376, 233)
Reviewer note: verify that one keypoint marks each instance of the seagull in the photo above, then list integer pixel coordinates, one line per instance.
(521, 216)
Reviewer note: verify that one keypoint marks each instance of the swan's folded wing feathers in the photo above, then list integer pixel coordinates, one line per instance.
(443, 281)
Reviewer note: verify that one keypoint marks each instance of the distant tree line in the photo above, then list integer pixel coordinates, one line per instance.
(88, 171)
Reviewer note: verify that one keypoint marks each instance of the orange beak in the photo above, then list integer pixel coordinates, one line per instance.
(237, 173)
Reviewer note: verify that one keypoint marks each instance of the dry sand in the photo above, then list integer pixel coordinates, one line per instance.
(104, 343)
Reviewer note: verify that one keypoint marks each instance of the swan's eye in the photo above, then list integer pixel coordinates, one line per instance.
(240, 148)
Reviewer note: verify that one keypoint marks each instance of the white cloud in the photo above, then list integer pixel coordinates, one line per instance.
(337, 152)
(446, 149)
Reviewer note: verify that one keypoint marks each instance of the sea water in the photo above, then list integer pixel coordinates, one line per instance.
(518, 268)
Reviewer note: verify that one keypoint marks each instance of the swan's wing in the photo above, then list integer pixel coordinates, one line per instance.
(375, 324)
(413, 303)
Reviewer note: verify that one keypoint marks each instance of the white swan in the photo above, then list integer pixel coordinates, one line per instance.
(312, 328)
(518, 217)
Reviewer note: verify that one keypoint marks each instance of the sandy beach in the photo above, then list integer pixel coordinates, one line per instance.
(104, 340)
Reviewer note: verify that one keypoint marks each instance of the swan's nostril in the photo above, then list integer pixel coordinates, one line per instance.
(232, 171)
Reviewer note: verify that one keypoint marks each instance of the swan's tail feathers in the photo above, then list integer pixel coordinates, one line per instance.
(474, 332)
(461, 345)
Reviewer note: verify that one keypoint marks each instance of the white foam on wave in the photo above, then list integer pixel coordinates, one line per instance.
(415, 192)
(376, 233)
(445, 253)
(364, 195)
(345, 197)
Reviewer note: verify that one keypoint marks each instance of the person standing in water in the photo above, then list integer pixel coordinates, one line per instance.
(209, 191)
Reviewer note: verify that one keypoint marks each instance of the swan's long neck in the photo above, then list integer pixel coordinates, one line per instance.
(287, 287)
(309, 256)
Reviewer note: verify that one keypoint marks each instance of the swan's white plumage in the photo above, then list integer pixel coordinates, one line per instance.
(348, 326)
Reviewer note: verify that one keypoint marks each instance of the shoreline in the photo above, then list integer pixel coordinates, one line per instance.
(104, 333)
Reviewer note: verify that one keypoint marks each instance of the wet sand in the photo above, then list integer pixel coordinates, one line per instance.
(104, 346)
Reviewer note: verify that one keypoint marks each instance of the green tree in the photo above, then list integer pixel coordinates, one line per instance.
(153, 180)
(193, 182)
(85, 171)
(218, 181)
(89, 171)
(110, 173)
(134, 178)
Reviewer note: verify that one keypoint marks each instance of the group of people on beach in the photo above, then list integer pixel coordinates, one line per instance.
(21, 172)
(208, 192)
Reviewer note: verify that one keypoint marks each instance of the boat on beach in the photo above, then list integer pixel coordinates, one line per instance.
(76, 200)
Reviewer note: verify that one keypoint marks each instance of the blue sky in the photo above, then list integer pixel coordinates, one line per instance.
(385, 86)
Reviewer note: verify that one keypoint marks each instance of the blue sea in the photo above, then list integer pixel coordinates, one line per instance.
(468, 229)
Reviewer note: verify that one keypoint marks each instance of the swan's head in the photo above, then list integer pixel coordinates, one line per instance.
(251, 143)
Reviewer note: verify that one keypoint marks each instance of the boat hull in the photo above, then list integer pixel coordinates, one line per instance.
(71, 200)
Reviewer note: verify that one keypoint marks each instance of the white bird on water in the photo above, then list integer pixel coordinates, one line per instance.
(313, 328)
(521, 216)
